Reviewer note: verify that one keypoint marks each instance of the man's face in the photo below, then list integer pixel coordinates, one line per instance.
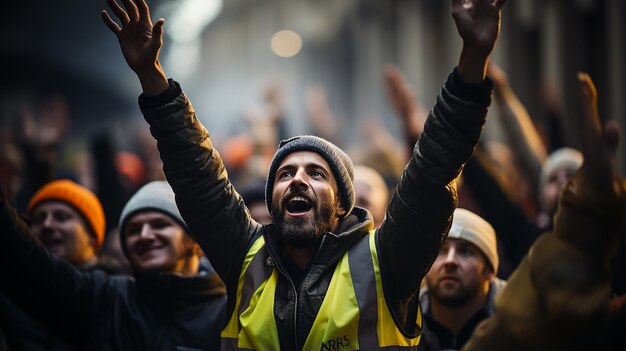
(155, 242)
(63, 232)
(372, 199)
(304, 199)
(553, 187)
(459, 273)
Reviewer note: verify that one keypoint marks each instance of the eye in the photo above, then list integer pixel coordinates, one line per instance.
(39, 218)
(132, 230)
(160, 224)
(62, 216)
(284, 174)
(463, 251)
(443, 250)
(317, 174)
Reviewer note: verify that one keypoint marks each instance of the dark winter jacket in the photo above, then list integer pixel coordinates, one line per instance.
(23, 332)
(95, 311)
(417, 221)
(436, 337)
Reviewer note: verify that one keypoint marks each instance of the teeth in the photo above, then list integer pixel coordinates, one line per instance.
(298, 198)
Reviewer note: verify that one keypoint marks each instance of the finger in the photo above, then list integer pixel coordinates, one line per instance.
(589, 124)
(589, 100)
(110, 23)
(157, 32)
(144, 11)
(119, 11)
(133, 12)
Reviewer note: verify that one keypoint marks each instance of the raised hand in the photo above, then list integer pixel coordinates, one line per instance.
(404, 101)
(478, 24)
(140, 41)
(599, 144)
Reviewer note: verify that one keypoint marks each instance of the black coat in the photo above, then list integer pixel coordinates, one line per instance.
(95, 311)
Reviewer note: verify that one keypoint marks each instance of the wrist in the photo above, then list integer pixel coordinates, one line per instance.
(153, 81)
(473, 66)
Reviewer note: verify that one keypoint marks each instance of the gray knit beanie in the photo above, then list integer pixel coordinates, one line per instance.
(154, 196)
(339, 162)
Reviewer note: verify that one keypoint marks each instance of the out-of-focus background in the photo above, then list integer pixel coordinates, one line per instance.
(225, 53)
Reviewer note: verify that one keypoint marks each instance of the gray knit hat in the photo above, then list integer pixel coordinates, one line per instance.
(468, 226)
(339, 162)
(154, 196)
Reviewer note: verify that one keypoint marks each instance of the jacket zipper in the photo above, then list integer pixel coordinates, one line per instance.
(295, 307)
(296, 295)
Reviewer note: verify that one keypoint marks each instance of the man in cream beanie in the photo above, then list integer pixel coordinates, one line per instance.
(461, 285)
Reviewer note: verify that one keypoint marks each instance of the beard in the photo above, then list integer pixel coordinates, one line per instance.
(304, 231)
(454, 298)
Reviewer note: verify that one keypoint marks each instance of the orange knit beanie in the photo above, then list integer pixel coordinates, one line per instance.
(77, 196)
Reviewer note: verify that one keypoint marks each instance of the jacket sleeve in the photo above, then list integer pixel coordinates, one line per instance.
(420, 211)
(212, 209)
(49, 289)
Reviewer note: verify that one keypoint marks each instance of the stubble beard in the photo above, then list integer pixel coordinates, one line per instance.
(457, 298)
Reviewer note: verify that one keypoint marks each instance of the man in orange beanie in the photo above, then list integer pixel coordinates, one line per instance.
(69, 221)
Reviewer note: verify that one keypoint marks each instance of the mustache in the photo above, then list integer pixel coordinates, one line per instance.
(297, 192)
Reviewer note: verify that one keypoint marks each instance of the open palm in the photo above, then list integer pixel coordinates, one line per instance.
(139, 39)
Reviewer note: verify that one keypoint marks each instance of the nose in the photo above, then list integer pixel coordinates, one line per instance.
(48, 221)
(451, 257)
(146, 232)
(300, 179)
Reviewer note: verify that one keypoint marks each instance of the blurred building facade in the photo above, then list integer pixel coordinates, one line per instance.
(63, 48)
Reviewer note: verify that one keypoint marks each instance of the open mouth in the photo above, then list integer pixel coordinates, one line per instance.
(298, 205)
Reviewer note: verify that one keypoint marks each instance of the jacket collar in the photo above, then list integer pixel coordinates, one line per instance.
(332, 246)
(200, 287)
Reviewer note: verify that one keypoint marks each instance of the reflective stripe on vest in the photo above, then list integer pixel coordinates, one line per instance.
(353, 314)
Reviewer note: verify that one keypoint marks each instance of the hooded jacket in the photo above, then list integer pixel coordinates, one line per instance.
(95, 311)
(418, 216)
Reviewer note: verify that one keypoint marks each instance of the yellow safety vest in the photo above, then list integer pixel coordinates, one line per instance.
(353, 315)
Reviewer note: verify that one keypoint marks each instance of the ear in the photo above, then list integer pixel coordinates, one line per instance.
(93, 242)
(341, 211)
(488, 272)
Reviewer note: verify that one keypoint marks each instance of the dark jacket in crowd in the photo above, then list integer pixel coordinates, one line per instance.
(23, 332)
(436, 337)
(95, 311)
(418, 216)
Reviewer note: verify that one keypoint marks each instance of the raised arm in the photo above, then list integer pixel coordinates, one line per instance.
(524, 139)
(420, 212)
(140, 41)
(561, 290)
(48, 288)
(214, 212)
(404, 101)
(478, 24)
